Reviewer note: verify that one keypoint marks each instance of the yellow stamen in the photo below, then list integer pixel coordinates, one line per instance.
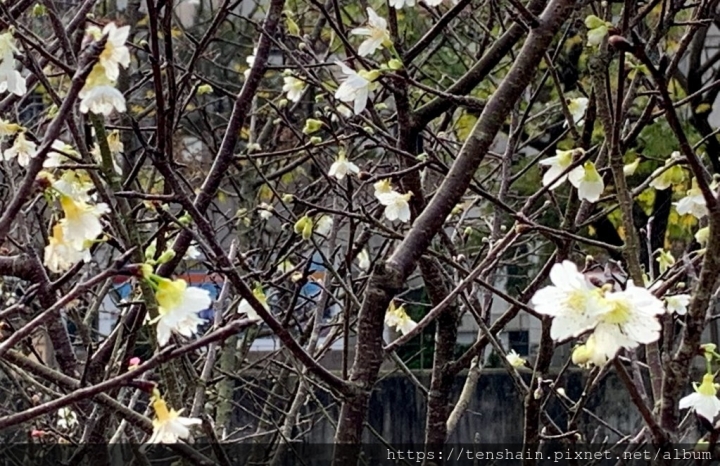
(161, 410)
(619, 314)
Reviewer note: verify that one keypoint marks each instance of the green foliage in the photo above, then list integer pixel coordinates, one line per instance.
(658, 140)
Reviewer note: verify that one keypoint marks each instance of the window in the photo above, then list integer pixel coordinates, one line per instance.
(519, 341)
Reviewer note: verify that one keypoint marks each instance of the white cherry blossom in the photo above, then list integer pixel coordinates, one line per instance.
(397, 206)
(343, 167)
(630, 320)
(557, 165)
(178, 307)
(293, 88)
(376, 32)
(704, 400)
(572, 301)
(23, 149)
(356, 87)
(588, 182)
(168, 425)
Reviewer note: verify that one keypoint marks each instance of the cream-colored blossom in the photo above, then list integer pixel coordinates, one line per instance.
(102, 100)
(397, 206)
(376, 32)
(115, 54)
(356, 87)
(23, 149)
(677, 304)
(61, 255)
(558, 164)
(588, 182)
(178, 308)
(577, 108)
(572, 301)
(246, 308)
(398, 318)
(342, 167)
(363, 259)
(704, 400)
(168, 425)
(293, 88)
(82, 220)
(515, 359)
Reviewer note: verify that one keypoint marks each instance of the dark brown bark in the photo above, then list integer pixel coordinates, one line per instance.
(442, 380)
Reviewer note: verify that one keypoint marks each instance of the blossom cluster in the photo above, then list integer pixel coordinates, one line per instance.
(78, 229)
(99, 95)
(615, 319)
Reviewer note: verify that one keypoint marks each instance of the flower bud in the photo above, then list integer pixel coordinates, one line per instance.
(307, 230)
(185, 220)
(166, 257)
(708, 350)
(150, 251)
(395, 64)
(204, 89)
(702, 445)
(300, 224)
(538, 393)
(39, 10)
(312, 126)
